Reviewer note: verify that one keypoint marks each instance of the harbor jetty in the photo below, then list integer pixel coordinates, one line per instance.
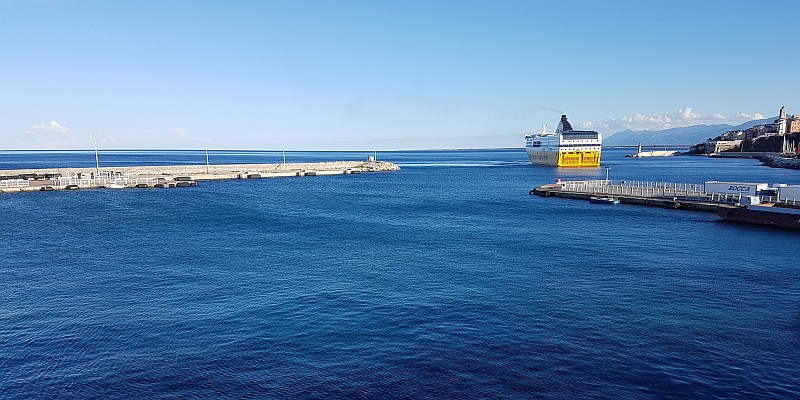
(685, 196)
(23, 180)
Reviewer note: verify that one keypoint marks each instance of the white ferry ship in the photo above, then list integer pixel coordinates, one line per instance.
(565, 147)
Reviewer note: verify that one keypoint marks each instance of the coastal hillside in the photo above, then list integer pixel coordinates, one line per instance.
(675, 136)
(769, 144)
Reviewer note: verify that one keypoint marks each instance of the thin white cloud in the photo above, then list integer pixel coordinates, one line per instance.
(749, 117)
(177, 134)
(53, 135)
(53, 127)
(158, 138)
(683, 117)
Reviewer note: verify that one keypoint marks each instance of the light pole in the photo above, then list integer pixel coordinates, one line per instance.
(96, 157)
(607, 168)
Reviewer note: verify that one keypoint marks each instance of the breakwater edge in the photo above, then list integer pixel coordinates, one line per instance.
(43, 179)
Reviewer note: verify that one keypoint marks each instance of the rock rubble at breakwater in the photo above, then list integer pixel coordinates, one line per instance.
(780, 162)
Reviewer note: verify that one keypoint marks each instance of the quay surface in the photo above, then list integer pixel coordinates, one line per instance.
(174, 175)
(683, 196)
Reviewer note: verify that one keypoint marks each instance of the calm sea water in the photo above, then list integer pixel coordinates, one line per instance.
(442, 280)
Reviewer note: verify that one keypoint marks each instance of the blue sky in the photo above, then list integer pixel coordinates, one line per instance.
(381, 75)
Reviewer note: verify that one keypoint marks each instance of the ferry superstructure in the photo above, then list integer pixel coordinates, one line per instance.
(565, 147)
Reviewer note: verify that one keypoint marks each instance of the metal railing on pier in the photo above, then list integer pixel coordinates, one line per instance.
(677, 191)
(106, 178)
(14, 183)
(128, 181)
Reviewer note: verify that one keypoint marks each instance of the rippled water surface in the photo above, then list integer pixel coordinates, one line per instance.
(442, 280)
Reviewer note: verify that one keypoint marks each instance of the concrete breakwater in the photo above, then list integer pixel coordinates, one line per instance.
(172, 175)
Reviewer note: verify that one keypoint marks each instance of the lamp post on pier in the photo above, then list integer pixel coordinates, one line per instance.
(607, 169)
(96, 157)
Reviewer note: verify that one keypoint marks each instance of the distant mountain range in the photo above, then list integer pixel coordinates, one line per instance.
(687, 135)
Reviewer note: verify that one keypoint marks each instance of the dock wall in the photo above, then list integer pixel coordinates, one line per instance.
(655, 194)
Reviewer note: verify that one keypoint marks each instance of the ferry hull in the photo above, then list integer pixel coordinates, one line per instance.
(589, 158)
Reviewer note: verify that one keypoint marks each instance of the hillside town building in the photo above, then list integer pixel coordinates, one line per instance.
(783, 125)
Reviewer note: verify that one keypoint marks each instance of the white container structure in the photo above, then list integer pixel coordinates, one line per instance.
(743, 188)
(750, 200)
(789, 192)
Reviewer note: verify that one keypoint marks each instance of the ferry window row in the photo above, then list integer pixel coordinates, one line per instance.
(579, 135)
